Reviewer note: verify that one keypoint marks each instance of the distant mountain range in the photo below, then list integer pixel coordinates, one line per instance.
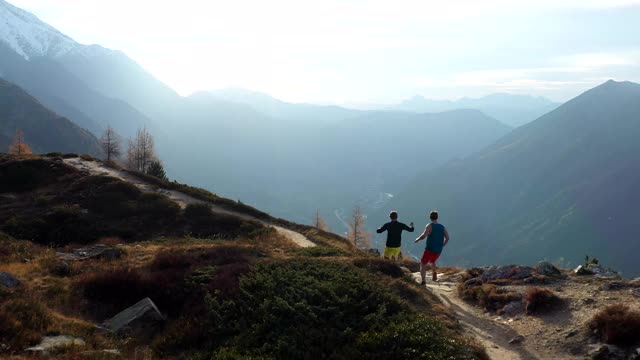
(44, 130)
(290, 159)
(560, 188)
(514, 110)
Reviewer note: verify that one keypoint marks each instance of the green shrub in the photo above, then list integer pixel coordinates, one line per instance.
(377, 265)
(53, 154)
(297, 307)
(412, 337)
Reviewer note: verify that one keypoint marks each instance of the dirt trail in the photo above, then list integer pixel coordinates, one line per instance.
(97, 168)
(493, 335)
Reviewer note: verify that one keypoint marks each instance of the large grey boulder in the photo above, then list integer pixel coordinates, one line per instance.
(99, 251)
(8, 280)
(140, 320)
(547, 269)
(51, 343)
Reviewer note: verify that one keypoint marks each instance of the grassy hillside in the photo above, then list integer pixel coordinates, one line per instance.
(228, 288)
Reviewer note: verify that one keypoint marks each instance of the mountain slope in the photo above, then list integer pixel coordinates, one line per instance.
(44, 130)
(514, 110)
(560, 187)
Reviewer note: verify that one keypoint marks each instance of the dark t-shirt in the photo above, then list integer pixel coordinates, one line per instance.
(394, 232)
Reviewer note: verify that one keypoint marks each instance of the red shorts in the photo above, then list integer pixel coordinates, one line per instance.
(429, 257)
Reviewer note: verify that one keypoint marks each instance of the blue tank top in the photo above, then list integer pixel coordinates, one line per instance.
(435, 240)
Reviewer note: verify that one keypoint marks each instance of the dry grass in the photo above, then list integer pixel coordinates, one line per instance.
(617, 324)
(488, 296)
(539, 301)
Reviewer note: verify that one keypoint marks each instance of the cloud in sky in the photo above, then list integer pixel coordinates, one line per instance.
(364, 50)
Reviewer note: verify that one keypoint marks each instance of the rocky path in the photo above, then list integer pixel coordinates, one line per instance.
(493, 335)
(97, 168)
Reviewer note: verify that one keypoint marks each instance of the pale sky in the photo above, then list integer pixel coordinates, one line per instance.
(364, 51)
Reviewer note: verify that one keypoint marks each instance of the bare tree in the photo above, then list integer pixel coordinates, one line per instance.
(319, 223)
(358, 234)
(141, 151)
(110, 142)
(19, 147)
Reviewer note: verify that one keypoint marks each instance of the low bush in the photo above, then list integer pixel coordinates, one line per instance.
(53, 154)
(158, 207)
(22, 323)
(86, 157)
(170, 281)
(69, 156)
(321, 251)
(413, 337)
(618, 325)
(197, 210)
(375, 265)
(540, 301)
(27, 174)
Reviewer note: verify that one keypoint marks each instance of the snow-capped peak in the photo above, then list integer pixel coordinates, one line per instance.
(30, 37)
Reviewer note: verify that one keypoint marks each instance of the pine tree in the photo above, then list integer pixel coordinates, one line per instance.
(157, 169)
(360, 237)
(19, 147)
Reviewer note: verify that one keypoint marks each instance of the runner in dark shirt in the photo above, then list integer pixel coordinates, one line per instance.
(394, 236)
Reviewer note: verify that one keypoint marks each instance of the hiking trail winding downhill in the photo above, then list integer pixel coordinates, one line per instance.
(98, 168)
(493, 335)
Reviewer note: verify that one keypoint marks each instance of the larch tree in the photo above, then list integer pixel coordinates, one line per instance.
(358, 234)
(319, 223)
(141, 151)
(19, 146)
(110, 142)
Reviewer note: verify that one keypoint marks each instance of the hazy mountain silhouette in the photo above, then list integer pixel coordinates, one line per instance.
(563, 186)
(273, 107)
(514, 110)
(44, 130)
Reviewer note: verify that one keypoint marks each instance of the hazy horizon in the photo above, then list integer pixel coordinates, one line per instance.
(365, 52)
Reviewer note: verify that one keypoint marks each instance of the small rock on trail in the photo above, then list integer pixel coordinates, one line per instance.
(8, 280)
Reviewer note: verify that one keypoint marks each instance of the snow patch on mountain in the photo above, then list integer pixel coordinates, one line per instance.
(30, 37)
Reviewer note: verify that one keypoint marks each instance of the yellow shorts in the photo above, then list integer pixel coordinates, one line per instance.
(391, 252)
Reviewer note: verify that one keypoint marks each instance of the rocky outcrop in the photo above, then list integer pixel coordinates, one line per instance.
(140, 320)
(99, 251)
(548, 269)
